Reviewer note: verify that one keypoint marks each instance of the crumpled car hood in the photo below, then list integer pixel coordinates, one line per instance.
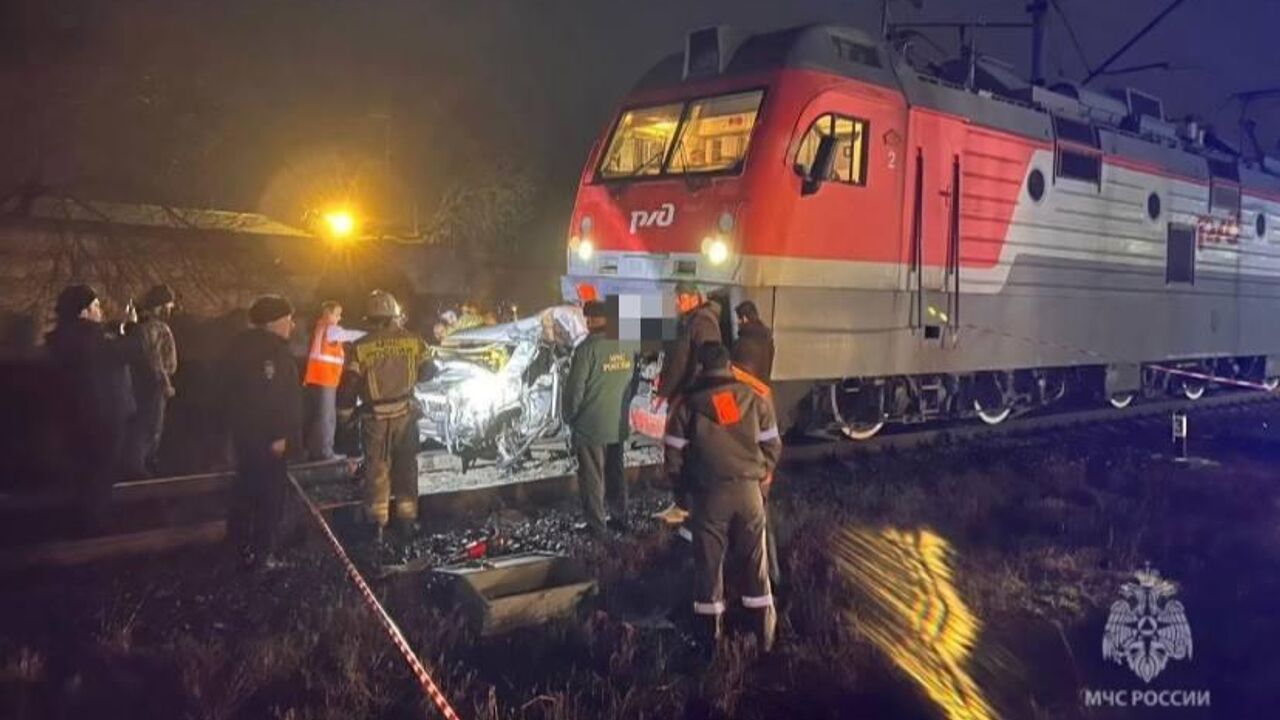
(500, 380)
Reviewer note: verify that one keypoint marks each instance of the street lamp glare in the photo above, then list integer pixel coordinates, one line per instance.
(341, 223)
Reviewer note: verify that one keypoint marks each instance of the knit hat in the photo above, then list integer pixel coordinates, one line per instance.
(157, 296)
(684, 287)
(72, 300)
(269, 308)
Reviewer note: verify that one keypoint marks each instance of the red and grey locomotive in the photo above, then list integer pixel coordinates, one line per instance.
(935, 243)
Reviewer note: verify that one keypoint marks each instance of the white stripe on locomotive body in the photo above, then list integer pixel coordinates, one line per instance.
(1108, 227)
(1080, 280)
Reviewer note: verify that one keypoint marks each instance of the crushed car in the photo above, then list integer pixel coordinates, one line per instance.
(496, 391)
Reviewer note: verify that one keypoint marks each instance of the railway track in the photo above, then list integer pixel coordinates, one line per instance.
(193, 507)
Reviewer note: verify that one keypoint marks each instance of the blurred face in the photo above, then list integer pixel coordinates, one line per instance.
(93, 313)
(687, 301)
(334, 315)
(282, 327)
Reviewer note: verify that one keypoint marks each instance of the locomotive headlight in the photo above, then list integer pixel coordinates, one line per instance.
(585, 225)
(585, 249)
(716, 248)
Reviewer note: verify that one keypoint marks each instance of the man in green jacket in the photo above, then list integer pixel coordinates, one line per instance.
(596, 396)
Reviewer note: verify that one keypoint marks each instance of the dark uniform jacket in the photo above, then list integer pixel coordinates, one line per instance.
(721, 431)
(753, 350)
(94, 368)
(261, 390)
(599, 389)
(388, 361)
(679, 364)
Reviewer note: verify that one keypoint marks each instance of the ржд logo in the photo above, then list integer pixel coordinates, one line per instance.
(662, 217)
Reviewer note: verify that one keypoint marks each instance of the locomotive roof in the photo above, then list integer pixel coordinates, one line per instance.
(998, 98)
(839, 50)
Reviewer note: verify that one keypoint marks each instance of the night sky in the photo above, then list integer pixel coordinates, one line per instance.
(267, 105)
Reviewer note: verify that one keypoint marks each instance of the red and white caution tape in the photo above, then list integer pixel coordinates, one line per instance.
(428, 685)
(1212, 378)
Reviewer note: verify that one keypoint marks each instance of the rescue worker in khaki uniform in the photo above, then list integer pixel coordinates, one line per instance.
(699, 324)
(387, 362)
(597, 393)
(722, 443)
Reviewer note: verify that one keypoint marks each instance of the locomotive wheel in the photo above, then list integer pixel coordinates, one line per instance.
(861, 430)
(992, 416)
(1193, 389)
(992, 398)
(1121, 400)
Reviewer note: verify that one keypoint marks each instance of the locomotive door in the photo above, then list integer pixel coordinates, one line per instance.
(849, 223)
(930, 251)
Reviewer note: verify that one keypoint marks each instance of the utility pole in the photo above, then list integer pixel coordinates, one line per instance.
(1039, 10)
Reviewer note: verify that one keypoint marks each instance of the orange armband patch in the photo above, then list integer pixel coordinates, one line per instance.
(727, 410)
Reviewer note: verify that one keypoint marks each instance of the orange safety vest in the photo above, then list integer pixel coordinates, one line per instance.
(325, 360)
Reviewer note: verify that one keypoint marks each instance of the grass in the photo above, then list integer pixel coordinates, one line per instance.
(1035, 539)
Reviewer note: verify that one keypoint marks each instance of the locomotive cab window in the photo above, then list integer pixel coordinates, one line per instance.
(707, 135)
(641, 140)
(1078, 154)
(850, 166)
(715, 133)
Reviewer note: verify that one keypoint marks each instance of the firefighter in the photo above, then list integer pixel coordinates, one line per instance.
(699, 324)
(722, 442)
(261, 387)
(597, 393)
(753, 350)
(387, 363)
(325, 361)
(92, 366)
(152, 379)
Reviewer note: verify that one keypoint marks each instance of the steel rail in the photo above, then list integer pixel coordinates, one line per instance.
(554, 488)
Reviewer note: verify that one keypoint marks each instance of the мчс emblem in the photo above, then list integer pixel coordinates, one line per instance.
(1147, 628)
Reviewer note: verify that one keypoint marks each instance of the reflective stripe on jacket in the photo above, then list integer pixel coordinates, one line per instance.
(325, 359)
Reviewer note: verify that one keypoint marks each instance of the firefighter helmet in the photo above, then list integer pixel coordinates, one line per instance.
(382, 304)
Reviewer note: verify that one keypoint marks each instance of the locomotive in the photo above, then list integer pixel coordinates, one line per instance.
(933, 241)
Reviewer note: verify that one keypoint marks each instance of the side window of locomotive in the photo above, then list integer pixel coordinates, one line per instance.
(1078, 153)
(850, 165)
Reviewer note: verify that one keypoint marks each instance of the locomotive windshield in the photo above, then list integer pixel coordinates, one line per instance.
(700, 136)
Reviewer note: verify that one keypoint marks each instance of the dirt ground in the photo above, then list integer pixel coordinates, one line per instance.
(964, 582)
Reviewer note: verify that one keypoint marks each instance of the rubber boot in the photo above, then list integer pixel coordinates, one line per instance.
(764, 625)
(707, 633)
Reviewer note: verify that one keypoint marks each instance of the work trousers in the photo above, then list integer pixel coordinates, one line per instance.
(257, 498)
(145, 429)
(601, 478)
(323, 421)
(96, 462)
(391, 467)
(729, 519)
